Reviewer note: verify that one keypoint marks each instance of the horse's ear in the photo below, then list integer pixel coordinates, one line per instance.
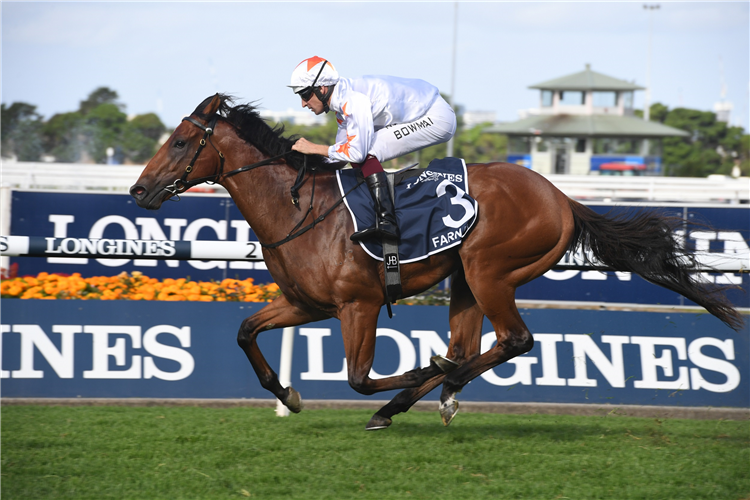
(212, 106)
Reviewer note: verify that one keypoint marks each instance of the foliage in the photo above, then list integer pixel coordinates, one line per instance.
(713, 147)
(135, 286)
(102, 95)
(21, 131)
(105, 125)
(62, 135)
(100, 123)
(222, 453)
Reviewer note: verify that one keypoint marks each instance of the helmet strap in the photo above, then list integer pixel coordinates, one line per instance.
(324, 98)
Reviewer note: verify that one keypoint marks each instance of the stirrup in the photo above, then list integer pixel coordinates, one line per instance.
(373, 232)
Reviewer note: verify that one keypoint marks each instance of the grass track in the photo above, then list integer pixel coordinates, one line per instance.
(209, 453)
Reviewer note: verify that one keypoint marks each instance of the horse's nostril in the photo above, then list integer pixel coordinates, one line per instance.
(137, 191)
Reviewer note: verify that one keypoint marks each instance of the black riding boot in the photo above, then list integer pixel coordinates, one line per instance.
(385, 213)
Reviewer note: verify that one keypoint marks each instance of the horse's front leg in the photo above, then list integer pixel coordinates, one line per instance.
(278, 314)
(358, 327)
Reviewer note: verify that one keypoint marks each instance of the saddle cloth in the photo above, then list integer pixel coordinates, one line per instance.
(433, 208)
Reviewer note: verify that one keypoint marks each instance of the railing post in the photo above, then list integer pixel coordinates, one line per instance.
(285, 367)
(5, 203)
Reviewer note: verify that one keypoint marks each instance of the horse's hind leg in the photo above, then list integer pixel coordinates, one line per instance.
(513, 339)
(358, 327)
(278, 314)
(465, 319)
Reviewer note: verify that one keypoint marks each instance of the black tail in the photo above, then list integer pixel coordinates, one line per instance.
(644, 244)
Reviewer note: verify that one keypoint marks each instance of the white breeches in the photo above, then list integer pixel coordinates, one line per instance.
(436, 126)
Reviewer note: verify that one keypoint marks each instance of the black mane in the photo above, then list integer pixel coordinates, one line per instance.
(255, 130)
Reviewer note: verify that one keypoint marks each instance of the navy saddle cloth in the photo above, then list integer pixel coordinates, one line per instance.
(433, 208)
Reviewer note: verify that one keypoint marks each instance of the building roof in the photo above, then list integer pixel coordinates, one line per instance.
(586, 126)
(586, 80)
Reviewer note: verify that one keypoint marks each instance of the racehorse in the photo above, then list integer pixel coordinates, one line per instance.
(524, 226)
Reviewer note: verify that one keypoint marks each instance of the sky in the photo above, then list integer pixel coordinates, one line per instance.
(166, 57)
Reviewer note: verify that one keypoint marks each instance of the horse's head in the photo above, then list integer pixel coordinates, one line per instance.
(179, 164)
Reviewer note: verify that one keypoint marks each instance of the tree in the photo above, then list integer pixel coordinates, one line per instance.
(141, 136)
(712, 147)
(104, 128)
(102, 95)
(21, 131)
(63, 136)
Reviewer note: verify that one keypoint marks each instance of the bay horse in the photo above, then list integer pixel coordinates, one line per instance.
(524, 226)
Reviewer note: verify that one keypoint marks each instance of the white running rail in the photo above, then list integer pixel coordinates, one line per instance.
(119, 178)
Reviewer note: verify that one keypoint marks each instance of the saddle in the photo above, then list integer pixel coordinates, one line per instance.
(433, 209)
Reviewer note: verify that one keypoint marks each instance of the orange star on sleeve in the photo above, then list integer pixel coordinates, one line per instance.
(344, 114)
(344, 148)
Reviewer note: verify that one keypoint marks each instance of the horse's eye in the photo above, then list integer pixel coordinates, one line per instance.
(179, 144)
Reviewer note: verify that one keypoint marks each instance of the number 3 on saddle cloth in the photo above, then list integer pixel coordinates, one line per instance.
(433, 208)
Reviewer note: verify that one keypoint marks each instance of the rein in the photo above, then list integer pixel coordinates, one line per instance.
(182, 184)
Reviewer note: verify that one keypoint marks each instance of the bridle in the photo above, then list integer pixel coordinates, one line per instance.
(183, 184)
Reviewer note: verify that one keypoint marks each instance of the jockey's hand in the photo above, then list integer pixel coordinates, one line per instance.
(309, 148)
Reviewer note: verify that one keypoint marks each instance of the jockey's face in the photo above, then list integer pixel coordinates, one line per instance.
(314, 104)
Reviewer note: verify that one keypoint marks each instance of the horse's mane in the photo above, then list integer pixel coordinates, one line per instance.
(255, 130)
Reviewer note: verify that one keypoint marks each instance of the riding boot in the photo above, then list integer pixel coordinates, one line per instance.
(385, 213)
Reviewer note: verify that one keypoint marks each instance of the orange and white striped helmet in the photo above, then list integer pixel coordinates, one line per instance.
(313, 72)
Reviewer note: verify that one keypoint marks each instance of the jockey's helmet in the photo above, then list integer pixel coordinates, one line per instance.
(313, 72)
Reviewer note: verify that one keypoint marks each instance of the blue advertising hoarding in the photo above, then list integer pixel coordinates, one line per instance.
(215, 217)
(189, 350)
(95, 215)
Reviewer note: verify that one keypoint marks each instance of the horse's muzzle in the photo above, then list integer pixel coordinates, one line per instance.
(141, 196)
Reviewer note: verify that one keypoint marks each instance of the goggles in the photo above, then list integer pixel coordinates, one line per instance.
(306, 93)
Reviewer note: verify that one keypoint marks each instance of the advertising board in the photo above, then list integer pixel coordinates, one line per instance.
(214, 217)
(189, 350)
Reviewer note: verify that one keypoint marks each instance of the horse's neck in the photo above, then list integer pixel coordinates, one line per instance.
(263, 197)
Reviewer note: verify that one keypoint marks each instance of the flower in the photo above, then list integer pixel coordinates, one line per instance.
(135, 286)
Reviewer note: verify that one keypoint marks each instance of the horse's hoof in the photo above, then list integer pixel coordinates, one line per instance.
(293, 400)
(445, 364)
(448, 411)
(378, 422)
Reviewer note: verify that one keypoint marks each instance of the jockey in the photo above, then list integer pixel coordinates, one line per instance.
(380, 118)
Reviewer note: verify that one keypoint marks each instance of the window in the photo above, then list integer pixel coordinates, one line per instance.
(542, 145)
(627, 100)
(546, 98)
(605, 99)
(518, 145)
(581, 146)
(617, 146)
(571, 98)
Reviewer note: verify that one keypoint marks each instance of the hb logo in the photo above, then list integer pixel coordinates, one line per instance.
(391, 261)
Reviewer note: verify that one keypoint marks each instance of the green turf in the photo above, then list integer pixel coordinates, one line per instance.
(174, 453)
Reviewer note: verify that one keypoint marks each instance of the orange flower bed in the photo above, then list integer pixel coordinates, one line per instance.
(135, 286)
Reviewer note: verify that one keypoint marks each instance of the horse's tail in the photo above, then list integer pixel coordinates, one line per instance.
(644, 244)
